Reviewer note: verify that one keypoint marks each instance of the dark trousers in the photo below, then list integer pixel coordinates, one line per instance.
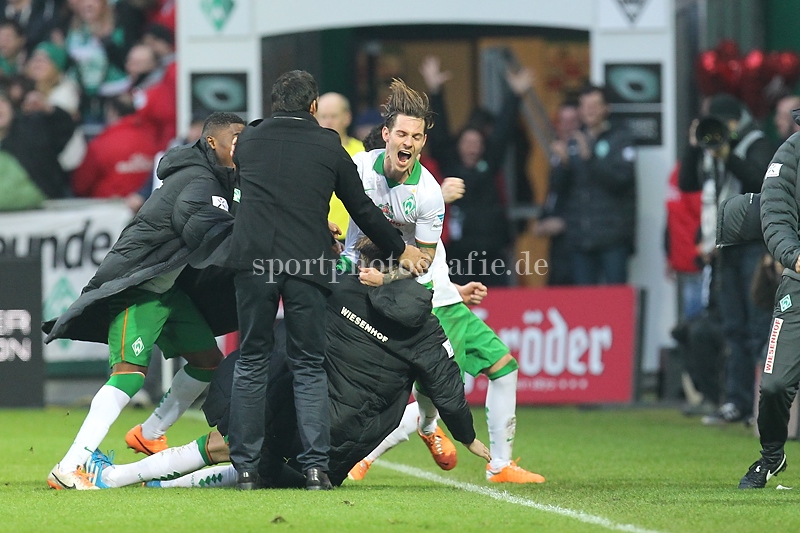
(608, 266)
(704, 353)
(560, 266)
(304, 306)
(745, 325)
(781, 371)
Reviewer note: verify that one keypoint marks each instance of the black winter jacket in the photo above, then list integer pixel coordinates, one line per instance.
(184, 222)
(380, 340)
(35, 140)
(739, 220)
(600, 204)
(484, 225)
(780, 205)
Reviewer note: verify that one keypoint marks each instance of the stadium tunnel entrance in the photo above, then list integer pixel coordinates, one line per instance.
(360, 63)
(250, 43)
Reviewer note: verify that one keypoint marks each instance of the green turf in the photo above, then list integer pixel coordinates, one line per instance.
(649, 468)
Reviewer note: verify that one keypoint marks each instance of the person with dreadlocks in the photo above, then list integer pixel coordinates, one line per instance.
(411, 199)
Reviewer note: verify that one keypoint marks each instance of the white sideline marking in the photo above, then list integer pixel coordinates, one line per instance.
(501, 495)
(504, 496)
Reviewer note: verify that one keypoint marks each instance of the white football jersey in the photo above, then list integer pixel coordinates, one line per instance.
(415, 207)
(444, 291)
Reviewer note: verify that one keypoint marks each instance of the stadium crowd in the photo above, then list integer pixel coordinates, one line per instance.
(87, 97)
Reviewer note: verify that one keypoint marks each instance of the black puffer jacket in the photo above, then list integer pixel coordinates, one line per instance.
(780, 204)
(183, 223)
(739, 220)
(600, 205)
(370, 371)
(380, 340)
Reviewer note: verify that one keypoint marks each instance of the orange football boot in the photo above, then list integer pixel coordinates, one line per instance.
(138, 443)
(442, 449)
(358, 471)
(511, 473)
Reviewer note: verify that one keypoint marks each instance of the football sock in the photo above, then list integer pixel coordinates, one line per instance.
(501, 404)
(427, 413)
(106, 407)
(187, 385)
(408, 424)
(215, 477)
(168, 464)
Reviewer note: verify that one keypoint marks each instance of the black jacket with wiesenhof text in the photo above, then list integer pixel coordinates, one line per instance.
(380, 340)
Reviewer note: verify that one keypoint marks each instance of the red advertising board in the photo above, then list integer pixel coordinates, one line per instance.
(573, 345)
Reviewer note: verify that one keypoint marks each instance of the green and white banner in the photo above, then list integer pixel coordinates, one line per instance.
(72, 237)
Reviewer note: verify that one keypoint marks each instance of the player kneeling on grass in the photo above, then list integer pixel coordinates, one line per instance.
(380, 340)
(152, 289)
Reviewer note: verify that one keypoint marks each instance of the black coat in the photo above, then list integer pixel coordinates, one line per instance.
(780, 205)
(739, 220)
(380, 340)
(481, 210)
(178, 225)
(38, 23)
(35, 140)
(288, 168)
(600, 193)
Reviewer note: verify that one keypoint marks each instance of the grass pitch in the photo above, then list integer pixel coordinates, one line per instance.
(626, 470)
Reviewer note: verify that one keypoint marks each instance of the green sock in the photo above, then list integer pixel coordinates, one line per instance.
(127, 382)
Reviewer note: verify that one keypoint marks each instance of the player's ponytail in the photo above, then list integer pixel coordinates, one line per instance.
(403, 100)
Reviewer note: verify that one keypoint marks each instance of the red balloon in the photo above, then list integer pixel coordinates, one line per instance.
(708, 60)
(754, 65)
(728, 49)
(754, 79)
(731, 73)
(752, 94)
(707, 74)
(754, 69)
(789, 67)
(773, 64)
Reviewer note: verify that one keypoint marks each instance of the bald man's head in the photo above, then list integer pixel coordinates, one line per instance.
(784, 123)
(333, 111)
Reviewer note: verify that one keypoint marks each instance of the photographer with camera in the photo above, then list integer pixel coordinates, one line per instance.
(729, 154)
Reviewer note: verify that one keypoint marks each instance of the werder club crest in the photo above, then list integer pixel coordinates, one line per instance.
(217, 11)
(409, 206)
(632, 8)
